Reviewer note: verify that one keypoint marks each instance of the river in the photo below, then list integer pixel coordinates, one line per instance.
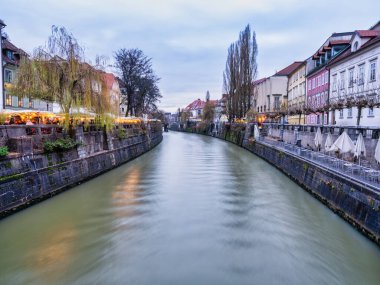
(194, 210)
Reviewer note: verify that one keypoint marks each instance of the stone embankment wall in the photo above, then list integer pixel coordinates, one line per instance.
(27, 179)
(357, 203)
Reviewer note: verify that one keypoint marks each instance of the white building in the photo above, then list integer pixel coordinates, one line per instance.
(271, 93)
(355, 80)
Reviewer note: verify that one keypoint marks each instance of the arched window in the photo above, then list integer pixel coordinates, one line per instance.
(356, 46)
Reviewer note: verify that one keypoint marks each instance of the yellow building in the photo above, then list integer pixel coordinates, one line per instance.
(297, 94)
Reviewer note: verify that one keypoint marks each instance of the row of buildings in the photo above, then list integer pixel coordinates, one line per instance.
(10, 59)
(338, 84)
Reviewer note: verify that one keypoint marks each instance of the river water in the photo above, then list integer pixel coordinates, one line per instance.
(195, 210)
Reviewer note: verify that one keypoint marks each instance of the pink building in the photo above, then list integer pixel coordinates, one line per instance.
(317, 77)
(317, 94)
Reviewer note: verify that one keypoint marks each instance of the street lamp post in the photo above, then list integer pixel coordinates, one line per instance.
(2, 102)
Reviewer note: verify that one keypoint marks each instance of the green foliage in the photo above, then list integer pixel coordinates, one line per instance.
(62, 144)
(208, 112)
(372, 203)
(122, 134)
(3, 117)
(10, 177)
(3, 151)
(251, 115)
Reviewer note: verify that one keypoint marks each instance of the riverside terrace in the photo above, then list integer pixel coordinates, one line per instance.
(306, 134)
(351, 171)
(366, 172)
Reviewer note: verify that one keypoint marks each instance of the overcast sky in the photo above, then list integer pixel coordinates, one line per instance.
(188, 39)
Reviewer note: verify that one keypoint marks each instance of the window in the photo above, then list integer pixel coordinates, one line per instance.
(25, 102)
(8, 76)
(372, 70)
(14, 101)
(356, 45)
(277, 102)
(8, 100)
(326, 77)
(349, 115)
(309, 85)
(313, 83)
(342, 79)
(370, 112)
(351, 77)
(340, 114)
(334, 82)
(10, 54)
(323, 79)
(361, 75)
(318, 100)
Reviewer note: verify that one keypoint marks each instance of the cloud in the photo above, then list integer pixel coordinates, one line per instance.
(188, 40)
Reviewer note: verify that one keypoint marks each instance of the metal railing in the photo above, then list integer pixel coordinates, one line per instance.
(351, 171)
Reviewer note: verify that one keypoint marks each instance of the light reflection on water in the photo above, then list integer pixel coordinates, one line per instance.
(195, 210)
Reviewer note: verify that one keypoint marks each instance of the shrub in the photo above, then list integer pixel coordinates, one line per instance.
(3, 151)
(62, 144)
(122, 134)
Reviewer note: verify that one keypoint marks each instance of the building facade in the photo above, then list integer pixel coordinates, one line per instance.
(270, 98)
(297, 94)
(317, 77)
(196, 109)
(355, 82)
(114, 92)
(11, 57)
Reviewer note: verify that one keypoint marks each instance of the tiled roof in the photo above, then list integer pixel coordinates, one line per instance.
(110, 79)
(347, 52)
(8, 45)
(289, 69)
(338, 42)
(368, 33)
(370, 42)
(213, 102)
(197, 104)
(259, 81)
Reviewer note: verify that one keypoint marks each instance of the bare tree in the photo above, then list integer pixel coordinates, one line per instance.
(140, 82)
(239, 74)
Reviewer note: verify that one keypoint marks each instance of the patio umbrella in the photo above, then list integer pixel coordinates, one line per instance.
(318, 139)
(360, 147)
(343, 144)
(377, 151)
(328, 142)
(256, 132)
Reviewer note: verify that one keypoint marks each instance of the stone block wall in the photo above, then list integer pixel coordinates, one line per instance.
(29, 179)
(356, 203)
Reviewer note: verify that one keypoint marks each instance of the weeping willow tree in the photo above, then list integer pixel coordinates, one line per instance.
(58, 73)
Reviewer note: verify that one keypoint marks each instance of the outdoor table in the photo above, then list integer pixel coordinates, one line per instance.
(348, 167)
(321, 157)
(355, 168)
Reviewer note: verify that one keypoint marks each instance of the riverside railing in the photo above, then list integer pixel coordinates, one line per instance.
(351, 171)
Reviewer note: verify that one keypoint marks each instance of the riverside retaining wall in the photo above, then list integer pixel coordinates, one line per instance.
(28, 179)
(357, 203)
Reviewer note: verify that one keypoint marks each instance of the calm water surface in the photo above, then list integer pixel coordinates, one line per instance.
(195, 210)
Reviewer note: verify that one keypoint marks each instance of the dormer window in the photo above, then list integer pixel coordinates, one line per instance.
(10, 55)
(356, 46)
